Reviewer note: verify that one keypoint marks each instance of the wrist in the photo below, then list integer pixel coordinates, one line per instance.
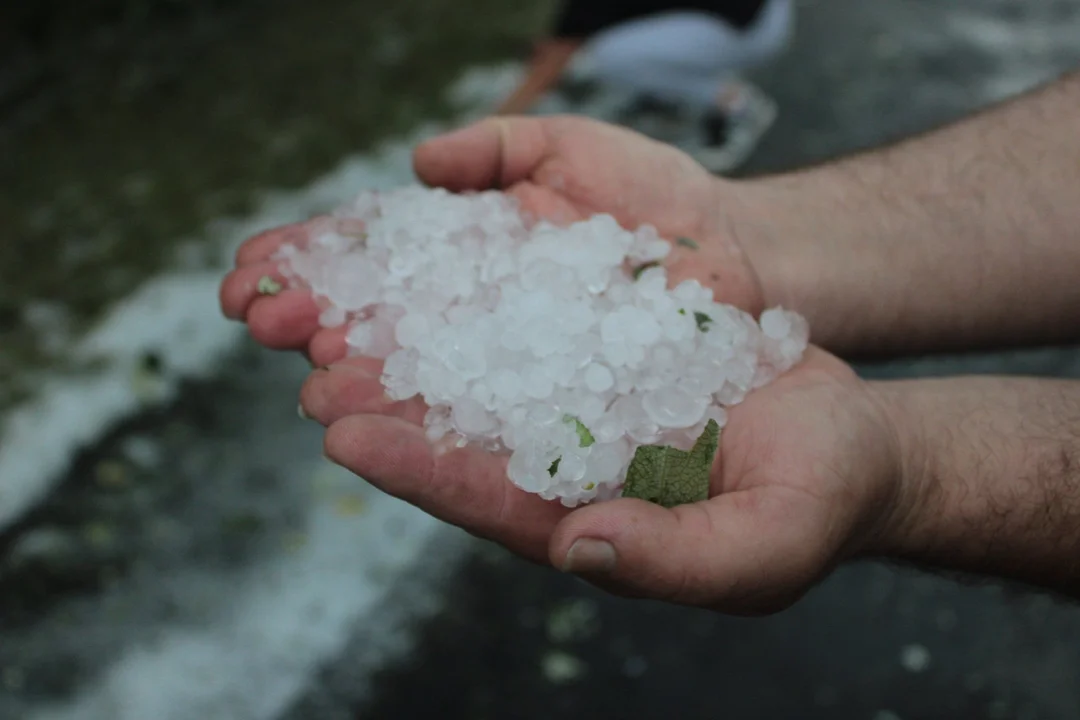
(987, 478)
(781, 242)
(751, 209)
(901, 519)
(806, 235)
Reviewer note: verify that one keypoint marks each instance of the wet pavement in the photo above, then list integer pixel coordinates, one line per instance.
(198, 559)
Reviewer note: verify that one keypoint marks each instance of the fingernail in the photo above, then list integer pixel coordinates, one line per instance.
(302, 412)
(588, 556)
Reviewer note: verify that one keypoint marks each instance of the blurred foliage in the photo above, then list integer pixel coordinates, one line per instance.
(127, 125)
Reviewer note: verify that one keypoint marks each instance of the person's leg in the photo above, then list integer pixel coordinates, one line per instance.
(694, 60)
(764, 40)
(687, 57)
(673, 56)
(744, 113)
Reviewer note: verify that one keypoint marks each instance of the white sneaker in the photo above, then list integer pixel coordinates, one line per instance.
(733, 136)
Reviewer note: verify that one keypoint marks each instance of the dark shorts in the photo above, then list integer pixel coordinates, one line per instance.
(584, 18)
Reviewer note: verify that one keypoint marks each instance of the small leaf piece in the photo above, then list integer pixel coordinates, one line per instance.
(268, 286)
(703, 321)
(687, 243)
(668, 476)
(585, 438)
(642, 268)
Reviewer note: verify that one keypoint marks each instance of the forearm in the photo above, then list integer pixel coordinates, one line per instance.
(991, 478)
(964, 238)
(547, 65)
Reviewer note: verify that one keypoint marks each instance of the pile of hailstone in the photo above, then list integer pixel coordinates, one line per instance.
(563, 346)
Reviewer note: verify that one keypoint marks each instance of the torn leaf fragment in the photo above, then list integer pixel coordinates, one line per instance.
(585, 438)
(268, 286)
(687, 243)
(642, 268)
(668, 476)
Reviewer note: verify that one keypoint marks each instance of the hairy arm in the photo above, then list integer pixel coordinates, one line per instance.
(964, 238)
(991, 478)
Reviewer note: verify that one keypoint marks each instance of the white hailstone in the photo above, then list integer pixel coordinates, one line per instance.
(776, 324)
(673, 407)
(412, 330)
(598, 378)
(332, 316)
(535, 340)
(506, 384)
(437, 422)
(590, 409)
(471, 418)
(360, 336)
(718, 414)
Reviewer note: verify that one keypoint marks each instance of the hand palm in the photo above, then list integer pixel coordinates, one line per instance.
(782, 490)
(566, 169)
(562, 169)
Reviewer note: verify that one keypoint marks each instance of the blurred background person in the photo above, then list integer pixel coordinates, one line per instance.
(680, 58)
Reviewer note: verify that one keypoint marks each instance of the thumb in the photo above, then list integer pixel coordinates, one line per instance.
(747, 552)
(492, 153)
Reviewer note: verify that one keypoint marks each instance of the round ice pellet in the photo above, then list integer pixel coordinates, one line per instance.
(535, 339)
(598, 378)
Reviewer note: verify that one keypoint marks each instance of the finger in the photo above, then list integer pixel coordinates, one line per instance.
(327, 346)
(262, 246)
(353, 387)
(745, 552)
(493, 153)
(541, 203)
(286, 321)
(241, 287)
(465, 487)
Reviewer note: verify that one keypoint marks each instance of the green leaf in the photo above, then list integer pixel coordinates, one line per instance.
(268, 286)
(703, 321)
(642, 268)
(585, 438)
(687, 243)
(682, 311)
(668, 476)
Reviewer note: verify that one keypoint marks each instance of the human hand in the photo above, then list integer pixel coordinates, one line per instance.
(807, 464)
(561, 169)
(807, 476)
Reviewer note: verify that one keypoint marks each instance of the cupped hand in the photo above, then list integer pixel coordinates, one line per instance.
(562, 169)
(807, 471)
(807, 475)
